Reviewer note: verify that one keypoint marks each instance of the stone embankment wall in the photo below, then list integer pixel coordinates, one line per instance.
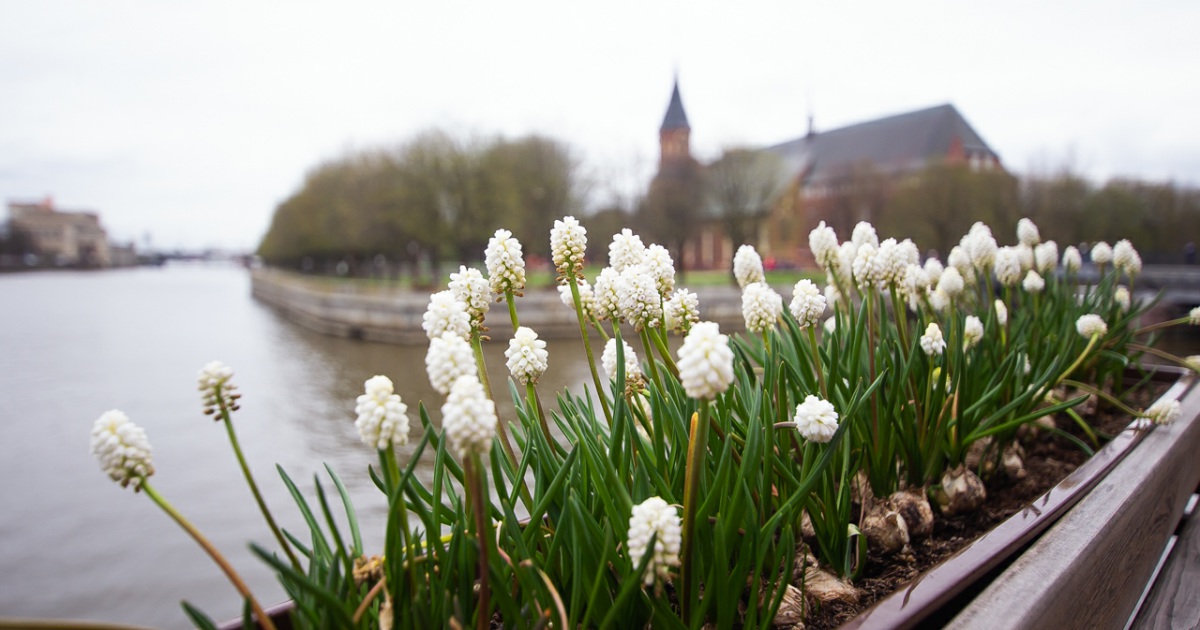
(394, 315)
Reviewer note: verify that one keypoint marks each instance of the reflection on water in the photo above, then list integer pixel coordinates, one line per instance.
(75, 545)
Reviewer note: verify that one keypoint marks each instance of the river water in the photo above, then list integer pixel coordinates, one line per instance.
(73, 544)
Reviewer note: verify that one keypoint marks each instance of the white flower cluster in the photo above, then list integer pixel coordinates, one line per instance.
(1121, 297)
(1091, 325)
(448, 358)
(1164, 412)
(1001, 313)
(1007, 266)
(640, 303)
(1045, 256)
(625, 251)
(657, 263)
(505, 263)
(682, 310)
(932, 342)
(587, 299)
(527, 356)
(608, 359)
(655, 518)
(705, 361)
(1102, 253)
(446, 314)
(382, 416)
(1194, 316)
(1071, 259)
(471, 289)
(1126, 258)
(1033, 282)
(761, 307)
(468, 418)
(607, 292)
(122, 449)
(808, 305)
(972, 332)
(568, 242)
(1027, 233)
(747, 266)
(824, 245)
(816, 419)
(216, 392)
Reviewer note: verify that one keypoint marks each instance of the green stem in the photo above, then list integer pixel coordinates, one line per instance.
(262, 505)
(587, 346)
(658, 336)
(1162, 354)
(1159, 325)
(1099, 393)
(816, 350)
(481, 367)
(392, 470)
(208, 547)
(535, 403)
(650, 359)
(512, 308)
(476, 478)
(697, 447)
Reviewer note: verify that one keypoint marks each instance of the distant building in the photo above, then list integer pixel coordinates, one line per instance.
(65, 238)
(872, 157)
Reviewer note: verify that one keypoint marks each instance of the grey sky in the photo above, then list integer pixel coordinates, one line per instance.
(190, 121)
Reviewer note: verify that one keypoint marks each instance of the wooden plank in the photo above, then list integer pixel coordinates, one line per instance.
(1174, 602)
(1090, 569)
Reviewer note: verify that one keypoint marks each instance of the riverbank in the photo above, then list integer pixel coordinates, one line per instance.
(394, 315)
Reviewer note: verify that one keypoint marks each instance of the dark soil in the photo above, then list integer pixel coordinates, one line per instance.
(1048, 460)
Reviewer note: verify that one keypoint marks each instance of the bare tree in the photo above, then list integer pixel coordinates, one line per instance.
(741, 187)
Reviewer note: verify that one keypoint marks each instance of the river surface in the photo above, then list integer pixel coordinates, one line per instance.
(75, 545)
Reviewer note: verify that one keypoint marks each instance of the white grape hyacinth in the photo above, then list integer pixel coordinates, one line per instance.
(808, 305)
(1007, 266)
(608, 359)
(1072, 260)
(705, 362)
(1192, 362)
(448, 358)
(657, 263)
(607, 294)
(446, 314)
(972, 332)
(568, 242)
(587, 299)
(951, 283)
(626, 250)
(1027, 233)
(639, 303)
(747, 266)
(655, 518)
(1102, 253)
(761, 307)
(1121, 297)
(1126, 258)
(471, 289)
(824, 245)
(1091, 325)
(932, 342)
(1164, 412)
(216, 390)
(682, 310)
(122, 449)
(468, 418)
(864, 234)
(1033, 282)
(816, 419)
(527, 356)
(1045, 257)
(505, 264)
(1194, 316)
(382, 416)
(1001, 312)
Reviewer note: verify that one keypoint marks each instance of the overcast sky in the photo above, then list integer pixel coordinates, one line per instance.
(190, 121)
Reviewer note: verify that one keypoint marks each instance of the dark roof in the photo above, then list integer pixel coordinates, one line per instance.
(675, 118)
(893, 144)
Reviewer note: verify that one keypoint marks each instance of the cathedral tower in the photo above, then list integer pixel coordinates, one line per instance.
(673, 136)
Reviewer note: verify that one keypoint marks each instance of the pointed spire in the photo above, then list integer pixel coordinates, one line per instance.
(675, 118)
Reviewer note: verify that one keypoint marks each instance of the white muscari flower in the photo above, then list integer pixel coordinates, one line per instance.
(816, 419)
(934, 268)
(1102, 253)
(915, 281)
(1007, 266)
(1045, 256)
(448, 358)
(980, 246)
(382, 416)
(471, 288)
(568, 242)
(1071, 259)
(587, 299)
(1121, 297)
(122, 449)
(705, 361)
(747, 266)
(1194, 316)
(951, 283)
(938, 300)
(1026, 256)
(1001, 312)
(1164, 412)
(844, 270)
(824, 245)
(608, 359)
(864, 234)
(832, 295)
(1033, 282)
(1090, 325)
(505, 263)
(808, 305)
(215, 389)
(890, 264)
(972, 332)
(527, 356)
(656, 262)
(1027, 233)
(960, 260)
(761, 307)
(640, 303)
(1126, 258)
(626, 250)
(468, 417)
(655, 518)
(830, 325)
(867, 274)
(446, 314)
(908, 252)
(682, 310)
(1193, 363)
(608, 292)
(932, 342)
